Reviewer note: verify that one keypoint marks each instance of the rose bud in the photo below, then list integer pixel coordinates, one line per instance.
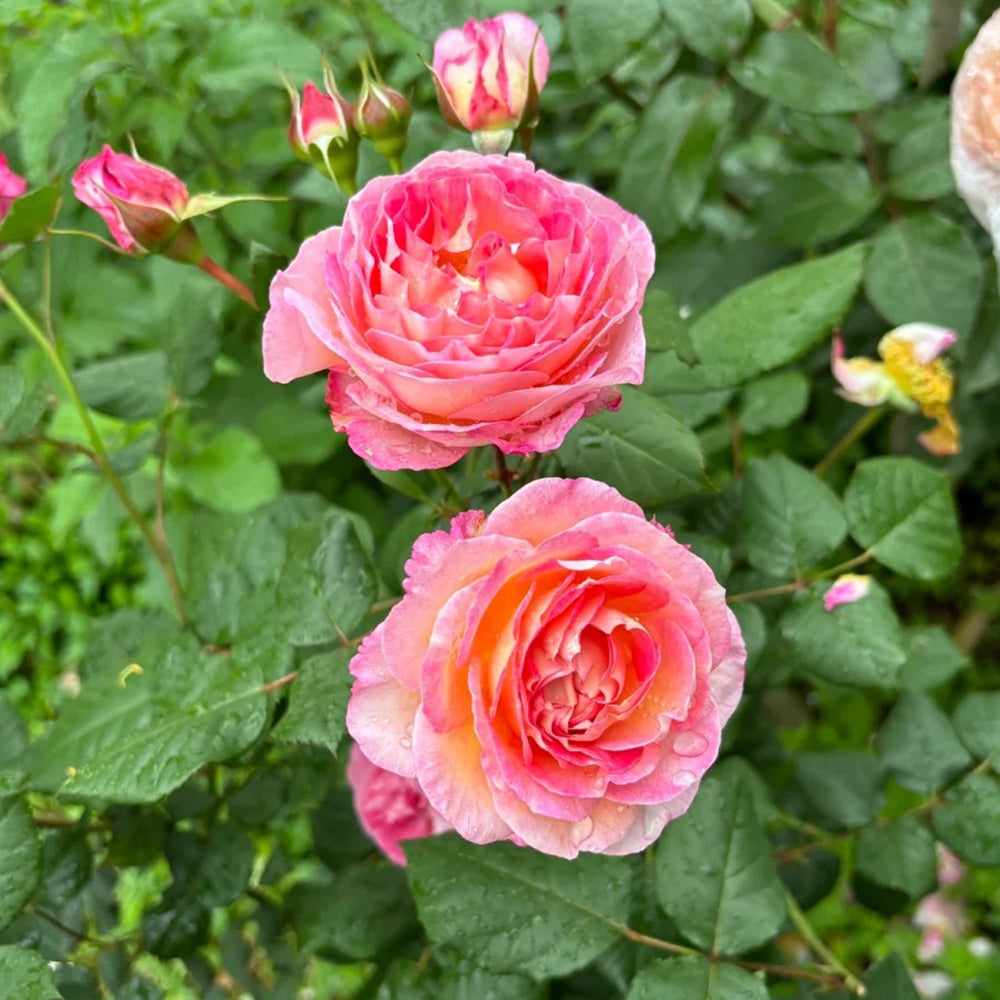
(12, 186)
(389, 807)
(321, 131)
(382, 116)
(846, 589)
(911, 376)
(488, 76)
(142, 204)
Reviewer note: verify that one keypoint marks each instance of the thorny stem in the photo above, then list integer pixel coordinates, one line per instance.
(861, 426)
(801, 583)
(100, 456)
(230, 281)
(802, 925)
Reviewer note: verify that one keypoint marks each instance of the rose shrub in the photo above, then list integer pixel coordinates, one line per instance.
(558, 673)
(472, 301)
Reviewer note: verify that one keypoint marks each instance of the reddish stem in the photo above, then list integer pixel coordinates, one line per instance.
(223, 277)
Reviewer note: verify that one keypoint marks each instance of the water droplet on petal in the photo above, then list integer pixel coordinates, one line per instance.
(690, 744)
(406, 742)
(579, 832)
(682, 779)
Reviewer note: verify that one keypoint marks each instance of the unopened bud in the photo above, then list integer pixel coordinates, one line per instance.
(382, 116)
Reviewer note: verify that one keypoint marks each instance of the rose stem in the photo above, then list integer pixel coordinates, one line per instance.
(223, 277)
(101, 459)
(866, 421)
(503, 473)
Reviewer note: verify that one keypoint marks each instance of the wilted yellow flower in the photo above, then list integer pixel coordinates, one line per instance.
(911, 376)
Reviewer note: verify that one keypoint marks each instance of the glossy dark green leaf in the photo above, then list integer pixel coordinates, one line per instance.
(664, 175)
(902, 511)
(773, 401)
(317, 701)
(133, 387)
(899, 856)
(642, 450)
(20, 857)
(600, 35)
(695, 978)
(889, 980)
(30, 215)
(715, 875)
(663, 326)
(977, 722)
(512, 909)
(792, 518)
(968, 819)
(12, 389)
(843, 787)
(715, 29)
(918, 744)
(26, 975)
(932, 658)
(428, 18)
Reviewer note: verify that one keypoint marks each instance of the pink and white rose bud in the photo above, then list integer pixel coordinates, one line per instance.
(142, 204)
(12, 186)
(321, 131)
(847, 589)
(390, 808)
(489, 75)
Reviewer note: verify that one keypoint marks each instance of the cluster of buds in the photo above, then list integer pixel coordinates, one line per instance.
(488, 76)
(911, 376)
(325, 128)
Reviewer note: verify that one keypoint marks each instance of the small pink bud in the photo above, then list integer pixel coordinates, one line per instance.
(142, 204)
(488, 76)
(321, 131)
(12, 186)
(846, 590)
(382, 116)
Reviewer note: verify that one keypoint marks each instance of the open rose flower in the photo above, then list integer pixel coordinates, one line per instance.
(488, 76)
(558, 673)
(975, 126)
(391, 808)
(12, 186)
(142, 204)
(910, 376)
(470, 301)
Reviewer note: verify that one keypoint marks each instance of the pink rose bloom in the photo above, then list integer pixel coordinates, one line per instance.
(558, 673)
(390, 808)
(470, 301)
(12, 186)
(317, 120)
(483, 72)
(141, 203)
(975, 126)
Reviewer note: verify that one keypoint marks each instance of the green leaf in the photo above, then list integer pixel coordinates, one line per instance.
(317, 703)
(715, 875)
(23, 419)
(794, 69)
(663, 326)
(295, 434)
(889, 980)
(30, 215)
(764, 325)
(969, 818)
(13, 735)
(844, 787)
(977, 720)
(12, 389)
(773, 401)
(898, 856)
(830, 133)
(902, 511)
(695, 978)
(791, 518)
(133, 387)
(814, 203)
(26, 975)
(917, 166)
(919, 746)
(601, 34)
(932, 658)
(713, 28)
(202, 204)
(545, 916)
(136, 737)
(362, 912)
(925, 268)
(858, 644)
(642, 450)
(664, 174)
(229, 471)
(20, 858)
(428, 18)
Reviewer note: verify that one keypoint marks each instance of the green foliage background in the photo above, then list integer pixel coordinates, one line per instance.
(173, 815)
